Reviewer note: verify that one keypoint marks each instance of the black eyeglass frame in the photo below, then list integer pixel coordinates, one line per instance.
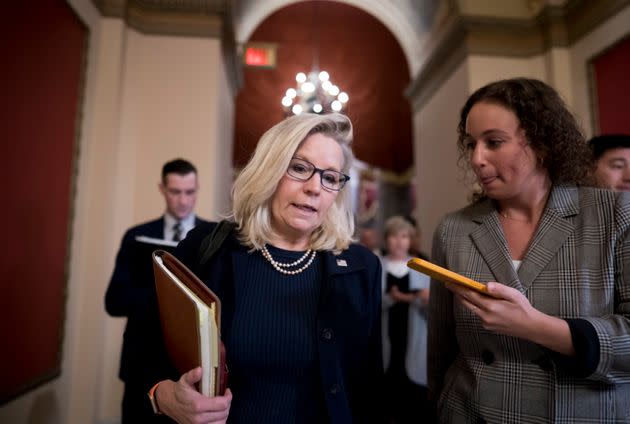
(343, 178)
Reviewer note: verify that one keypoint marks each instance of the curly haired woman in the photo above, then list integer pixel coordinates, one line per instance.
(551, 340)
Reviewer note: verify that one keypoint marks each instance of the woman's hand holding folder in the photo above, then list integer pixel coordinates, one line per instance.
(181, 401)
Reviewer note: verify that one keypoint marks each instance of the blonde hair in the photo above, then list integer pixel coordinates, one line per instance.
(257, 182)
(396, 224)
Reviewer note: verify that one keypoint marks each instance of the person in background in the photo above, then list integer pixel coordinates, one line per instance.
(549, 342)
(369, 237)
(405, 299)
(301, 304)
(612, 161)
(416, 242)
(131, 290)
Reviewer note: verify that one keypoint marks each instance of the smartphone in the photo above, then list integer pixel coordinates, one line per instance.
(444, 275)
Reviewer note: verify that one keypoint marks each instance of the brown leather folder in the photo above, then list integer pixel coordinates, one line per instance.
(190, 314)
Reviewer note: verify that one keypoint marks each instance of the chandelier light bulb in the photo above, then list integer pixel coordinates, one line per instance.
(308, 87)
(315, 93)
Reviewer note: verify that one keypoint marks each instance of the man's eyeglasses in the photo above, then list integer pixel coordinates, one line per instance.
(303, 170)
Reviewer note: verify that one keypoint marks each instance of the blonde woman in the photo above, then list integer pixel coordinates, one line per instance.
(301, 302)
(405, 299)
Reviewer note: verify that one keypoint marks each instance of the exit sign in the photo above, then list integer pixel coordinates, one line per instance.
(260, 55)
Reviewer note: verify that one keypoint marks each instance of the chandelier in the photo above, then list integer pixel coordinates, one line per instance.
(314, 93)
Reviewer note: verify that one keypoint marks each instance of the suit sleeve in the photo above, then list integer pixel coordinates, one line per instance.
(442, 344)
(613, 331)
(375, 347)
(123, 298)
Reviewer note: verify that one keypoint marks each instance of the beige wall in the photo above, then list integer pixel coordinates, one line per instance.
(171, 107)
(439, 182)
(485, 69)
(147, 99)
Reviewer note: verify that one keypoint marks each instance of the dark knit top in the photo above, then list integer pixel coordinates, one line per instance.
(272, 345)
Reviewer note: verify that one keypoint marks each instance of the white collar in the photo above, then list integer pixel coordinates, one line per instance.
(397, 268)
(187, 223)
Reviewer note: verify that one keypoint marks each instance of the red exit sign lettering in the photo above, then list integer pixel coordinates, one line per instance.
(260, 55)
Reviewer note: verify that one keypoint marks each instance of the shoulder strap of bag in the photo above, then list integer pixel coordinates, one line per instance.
(213, 241)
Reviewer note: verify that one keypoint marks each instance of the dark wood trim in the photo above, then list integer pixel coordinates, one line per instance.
(206, 19)
(584, 16)
(167, 23)
(31, 385)
(186, 18)
(592, 98)
(111, 8)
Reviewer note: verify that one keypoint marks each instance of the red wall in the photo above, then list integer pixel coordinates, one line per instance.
(612, 80)
(363, 59)
(43, 50)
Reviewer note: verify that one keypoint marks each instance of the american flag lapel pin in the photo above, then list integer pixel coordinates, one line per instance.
(341, 262)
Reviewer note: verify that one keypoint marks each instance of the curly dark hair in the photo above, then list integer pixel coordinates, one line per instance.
(551, 130)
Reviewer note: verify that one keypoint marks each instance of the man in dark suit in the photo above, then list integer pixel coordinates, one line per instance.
(131, 291)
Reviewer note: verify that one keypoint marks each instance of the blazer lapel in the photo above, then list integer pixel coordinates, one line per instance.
(552, 232)
(157, 229)
(490, 242)
(335, 267)
(344, 263)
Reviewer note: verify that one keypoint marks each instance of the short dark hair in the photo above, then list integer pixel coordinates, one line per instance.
(177, 166)
(601, 143)
(551, 130)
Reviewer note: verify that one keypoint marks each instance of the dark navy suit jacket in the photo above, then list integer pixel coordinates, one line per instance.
(348, 321)
(132, 294)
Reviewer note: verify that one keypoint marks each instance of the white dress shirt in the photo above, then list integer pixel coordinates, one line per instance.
(187, 224)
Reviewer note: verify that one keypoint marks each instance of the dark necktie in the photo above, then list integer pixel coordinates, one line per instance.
(177, 231)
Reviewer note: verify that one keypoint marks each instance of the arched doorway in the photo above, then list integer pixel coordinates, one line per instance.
(362, 57)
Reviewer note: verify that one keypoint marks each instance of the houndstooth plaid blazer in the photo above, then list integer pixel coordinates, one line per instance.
(577, 266)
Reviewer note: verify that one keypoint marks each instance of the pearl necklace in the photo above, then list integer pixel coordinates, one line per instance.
(280, 266)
